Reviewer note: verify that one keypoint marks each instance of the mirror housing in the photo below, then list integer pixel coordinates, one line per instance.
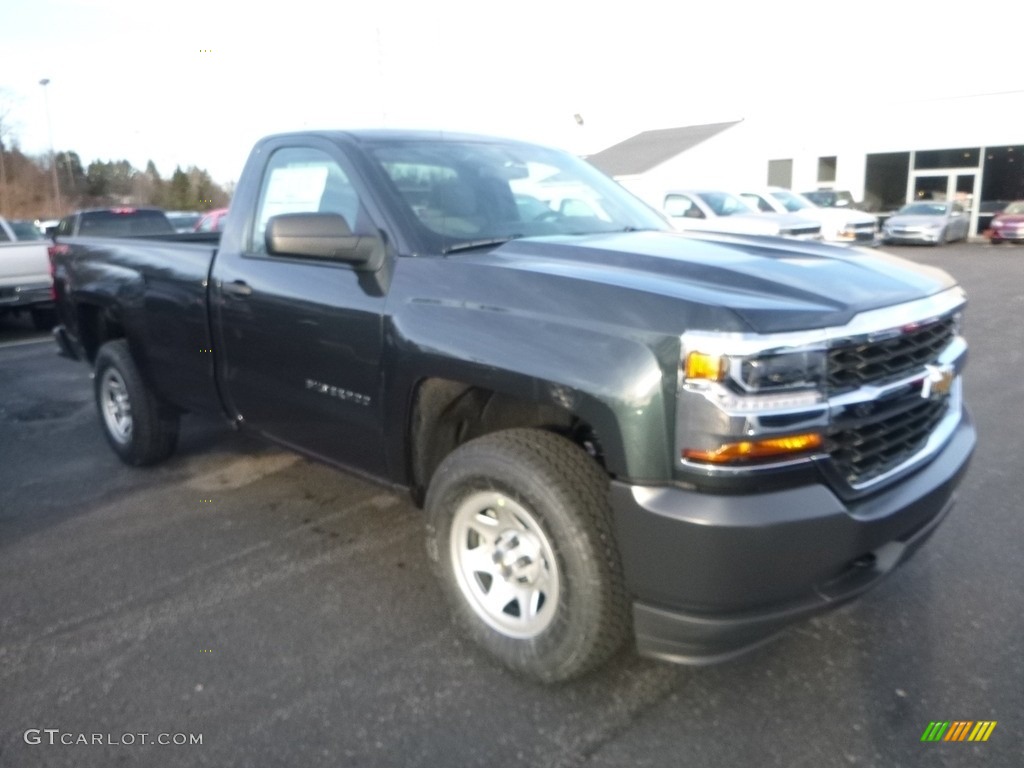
(323, 236)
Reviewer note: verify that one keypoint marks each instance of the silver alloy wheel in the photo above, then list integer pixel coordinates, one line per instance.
(504, 564)
(115, 405)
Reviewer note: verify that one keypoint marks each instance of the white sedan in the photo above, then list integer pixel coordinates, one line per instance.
(928, 221)
(838, 225)
(716, 211)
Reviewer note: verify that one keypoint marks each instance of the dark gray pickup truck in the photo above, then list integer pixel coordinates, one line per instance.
(616, 431)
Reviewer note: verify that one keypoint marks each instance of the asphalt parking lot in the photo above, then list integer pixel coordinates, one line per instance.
(285, 613)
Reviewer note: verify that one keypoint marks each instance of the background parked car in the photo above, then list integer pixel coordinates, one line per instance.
(25, 282)
(212, 221)
(47, 227)
(1008, 225)
(838, 225)
(831, 198)
(930, 222)
(987, 209)
(184, 221)
(716, 211)
(115, 222)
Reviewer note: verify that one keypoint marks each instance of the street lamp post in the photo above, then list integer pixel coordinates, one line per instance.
(53, 155)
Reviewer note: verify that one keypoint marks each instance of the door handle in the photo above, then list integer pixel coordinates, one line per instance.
(236, 288)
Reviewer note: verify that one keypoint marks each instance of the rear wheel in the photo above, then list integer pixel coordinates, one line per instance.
(519, 529)
(139, 428)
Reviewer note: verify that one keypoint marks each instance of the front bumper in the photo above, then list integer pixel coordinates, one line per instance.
(925, 236)
(715, 575)
(1014, 234)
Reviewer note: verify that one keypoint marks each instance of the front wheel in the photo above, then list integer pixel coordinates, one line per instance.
(519, 529)
(139, 428)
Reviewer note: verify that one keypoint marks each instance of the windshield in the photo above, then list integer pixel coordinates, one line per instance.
(923, 209)
(1014, 208)
(465, 192)
(792, 201)
(725, 204)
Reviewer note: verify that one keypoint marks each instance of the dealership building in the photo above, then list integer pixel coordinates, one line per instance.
(965, 148)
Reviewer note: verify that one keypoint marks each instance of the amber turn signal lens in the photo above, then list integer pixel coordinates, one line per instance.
(700, 365)
(756, 449)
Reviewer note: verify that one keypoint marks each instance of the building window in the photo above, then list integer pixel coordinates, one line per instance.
(827, 170)
(780, 173)
(966, 157)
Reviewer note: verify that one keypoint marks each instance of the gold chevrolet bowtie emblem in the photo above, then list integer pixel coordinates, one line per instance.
(937, 382)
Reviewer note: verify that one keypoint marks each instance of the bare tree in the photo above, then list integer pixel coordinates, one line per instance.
(6, 129)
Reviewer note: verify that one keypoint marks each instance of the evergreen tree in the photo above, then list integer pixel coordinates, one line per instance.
(180, 196)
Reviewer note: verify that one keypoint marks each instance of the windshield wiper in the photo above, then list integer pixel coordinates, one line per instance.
(471, 245)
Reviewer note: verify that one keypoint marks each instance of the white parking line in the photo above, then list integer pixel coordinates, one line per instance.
(25, 343)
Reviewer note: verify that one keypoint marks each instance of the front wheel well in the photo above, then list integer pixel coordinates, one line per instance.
(447, 413)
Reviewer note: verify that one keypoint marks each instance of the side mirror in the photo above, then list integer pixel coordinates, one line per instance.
(322, 236)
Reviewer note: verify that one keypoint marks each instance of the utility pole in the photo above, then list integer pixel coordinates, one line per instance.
(53, 155)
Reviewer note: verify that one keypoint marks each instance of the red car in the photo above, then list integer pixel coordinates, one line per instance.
(212, 221)
(1008, 225)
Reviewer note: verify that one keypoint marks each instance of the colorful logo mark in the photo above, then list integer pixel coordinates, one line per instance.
(959, 730)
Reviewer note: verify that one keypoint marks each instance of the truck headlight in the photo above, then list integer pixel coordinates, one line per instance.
(758, 374)
(792, 370)
(743, 403)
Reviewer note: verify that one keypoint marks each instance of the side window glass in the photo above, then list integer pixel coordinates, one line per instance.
(757, 201)
(303, 180)
(680, 206)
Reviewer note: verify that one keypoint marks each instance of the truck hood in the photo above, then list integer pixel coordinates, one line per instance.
(771, 284)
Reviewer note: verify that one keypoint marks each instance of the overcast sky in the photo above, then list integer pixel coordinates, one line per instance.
(198, 82)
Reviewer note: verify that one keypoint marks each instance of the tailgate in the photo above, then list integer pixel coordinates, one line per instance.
(22, 265)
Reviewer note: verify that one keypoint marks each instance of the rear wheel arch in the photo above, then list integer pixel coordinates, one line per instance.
(97, 324)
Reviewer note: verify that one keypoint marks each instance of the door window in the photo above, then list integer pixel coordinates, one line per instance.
(303, 180)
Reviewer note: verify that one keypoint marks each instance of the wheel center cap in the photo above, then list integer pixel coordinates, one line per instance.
(518, 556)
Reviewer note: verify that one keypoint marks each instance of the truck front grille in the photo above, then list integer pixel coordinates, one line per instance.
(869, 439)
(879, 362)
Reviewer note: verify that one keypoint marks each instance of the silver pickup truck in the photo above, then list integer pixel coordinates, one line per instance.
(25, 282)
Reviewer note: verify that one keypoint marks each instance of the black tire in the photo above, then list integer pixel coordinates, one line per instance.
(43, 319)
(543, 503)
(139, 428)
